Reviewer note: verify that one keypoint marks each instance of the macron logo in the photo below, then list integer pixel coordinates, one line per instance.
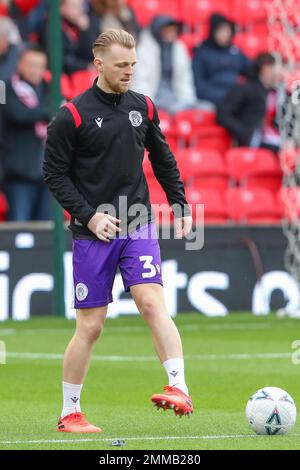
(99, 121)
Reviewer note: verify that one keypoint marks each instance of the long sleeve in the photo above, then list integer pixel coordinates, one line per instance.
(59, 153)
(165, 167)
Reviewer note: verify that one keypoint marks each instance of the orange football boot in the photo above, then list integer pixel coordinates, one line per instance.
(173, 399)
(76, 422)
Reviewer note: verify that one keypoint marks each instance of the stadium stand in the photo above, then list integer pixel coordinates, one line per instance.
(229, 180)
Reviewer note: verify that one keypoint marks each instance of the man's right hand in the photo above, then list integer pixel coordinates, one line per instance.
(104, 226)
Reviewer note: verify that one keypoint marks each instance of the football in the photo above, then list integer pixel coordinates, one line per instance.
(271, 410)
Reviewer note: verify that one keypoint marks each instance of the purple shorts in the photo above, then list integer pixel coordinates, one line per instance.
(95, 264)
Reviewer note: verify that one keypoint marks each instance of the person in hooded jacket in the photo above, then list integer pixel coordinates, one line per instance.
(217, 63)
(247, 111)
(164, 71)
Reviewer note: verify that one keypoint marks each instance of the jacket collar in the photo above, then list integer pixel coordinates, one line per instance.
(109, 98)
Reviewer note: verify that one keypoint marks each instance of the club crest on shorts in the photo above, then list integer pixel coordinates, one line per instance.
(136, 118)
(81, 291)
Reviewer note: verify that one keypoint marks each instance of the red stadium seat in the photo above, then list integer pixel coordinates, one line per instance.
(157, 194)
(215, 211)
(249, 11)
(166, 125)
(165, 122)
(212, 137)
(252, 206)
(25, 6)
(251, 44)
(193, 39)
(82, 80)
(187, 123)
(160, 206)
(254, 167)
(205, 168)
(3, 10)
(195, 13)
(146, 10)
(65, 84)
(3, 207)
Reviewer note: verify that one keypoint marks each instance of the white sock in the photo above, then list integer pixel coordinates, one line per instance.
(71, 397)
(175, 370)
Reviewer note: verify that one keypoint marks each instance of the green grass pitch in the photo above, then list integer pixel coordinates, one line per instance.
(227, 359)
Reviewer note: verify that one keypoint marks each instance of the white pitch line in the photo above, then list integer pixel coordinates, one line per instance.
(147, 438)
(6, 332)
(139, 329)
(116, 358)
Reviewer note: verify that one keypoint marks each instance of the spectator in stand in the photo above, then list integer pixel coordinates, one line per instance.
(25, 118)
(77, 37)
(9, 48)
(19, 11)
(107, 14)
(163, 70)
(9, 53)
(217, 63)
(243, 110)
(1, 145)
(36, 21)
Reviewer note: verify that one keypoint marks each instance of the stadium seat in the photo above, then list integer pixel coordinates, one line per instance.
(3, 207)
(212, 137)
(25, 6)
(146, 10)
(254, 168)
(165, 122)
(252, 206)
(204, 168)
(82, 80)
(187, 123)
(3, 10)
(193, 39)
(215, 211)
(161, 208)
(197, 13)
(251, 44)
(249, 11)
(65, 84)
(166, 125)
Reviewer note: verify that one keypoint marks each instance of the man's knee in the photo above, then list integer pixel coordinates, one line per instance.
(92, 332)
(90, 326)
(150, 307)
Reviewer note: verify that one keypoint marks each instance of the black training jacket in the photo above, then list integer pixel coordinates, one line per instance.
(94, 154)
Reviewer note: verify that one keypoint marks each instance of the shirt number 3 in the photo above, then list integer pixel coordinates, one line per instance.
(149, 266)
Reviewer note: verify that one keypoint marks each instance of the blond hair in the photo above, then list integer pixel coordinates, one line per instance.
(113, 36)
